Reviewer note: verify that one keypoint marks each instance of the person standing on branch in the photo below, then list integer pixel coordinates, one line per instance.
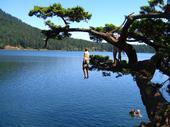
(115, 52)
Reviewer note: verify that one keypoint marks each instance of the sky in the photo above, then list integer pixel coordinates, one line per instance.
(103, 11)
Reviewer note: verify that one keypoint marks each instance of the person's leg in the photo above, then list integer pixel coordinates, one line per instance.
(87, 72)
(119, 55)
(114, 55)
(84, 71)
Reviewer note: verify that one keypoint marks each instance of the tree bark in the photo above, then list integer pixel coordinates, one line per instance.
(157, 107)
(131, 53)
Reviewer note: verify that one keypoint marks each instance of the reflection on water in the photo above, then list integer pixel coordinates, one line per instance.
(47, 88)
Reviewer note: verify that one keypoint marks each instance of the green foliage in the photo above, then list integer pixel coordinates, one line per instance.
(100, 61)
(52, 25)
(107, 28)
(100, 57)
(68, 15)
(155, 30)
(55, 33)
(153, 3)
(44, 12)
(154, 6)
(147, 9)
(75, 14)
(149, 26)
(103, 63)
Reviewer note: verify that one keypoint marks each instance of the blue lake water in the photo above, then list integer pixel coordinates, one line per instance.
(47, 89)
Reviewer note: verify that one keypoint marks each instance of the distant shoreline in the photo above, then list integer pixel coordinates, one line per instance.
(9, 47)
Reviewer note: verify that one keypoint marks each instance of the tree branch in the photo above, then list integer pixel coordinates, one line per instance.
(106, 36)
(66, 23)
(132, 18)
(143, 39)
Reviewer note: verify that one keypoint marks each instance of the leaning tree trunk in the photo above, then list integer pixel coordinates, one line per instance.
(130, 52)
(158, 109)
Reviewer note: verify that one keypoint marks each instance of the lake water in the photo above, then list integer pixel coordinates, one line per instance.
(47, 89)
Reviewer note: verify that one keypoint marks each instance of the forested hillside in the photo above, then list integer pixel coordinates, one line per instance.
(17, 33)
